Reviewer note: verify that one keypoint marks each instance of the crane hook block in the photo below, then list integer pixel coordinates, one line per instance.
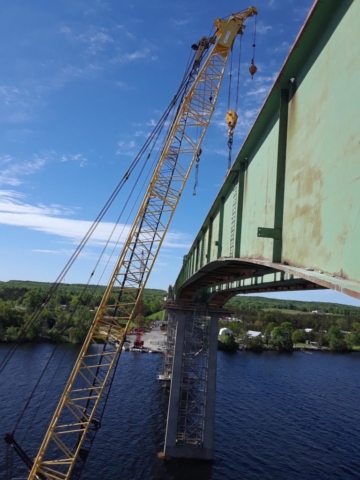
(231, 120)
(252, 69)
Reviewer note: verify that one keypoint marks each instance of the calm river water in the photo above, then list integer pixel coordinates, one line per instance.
(277, 416)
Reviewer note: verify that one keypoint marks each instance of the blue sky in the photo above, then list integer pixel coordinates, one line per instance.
(81, 86)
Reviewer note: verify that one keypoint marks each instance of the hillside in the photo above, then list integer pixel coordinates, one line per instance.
(69, 312)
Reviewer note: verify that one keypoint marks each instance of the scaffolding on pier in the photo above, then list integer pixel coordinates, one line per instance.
(193, 383)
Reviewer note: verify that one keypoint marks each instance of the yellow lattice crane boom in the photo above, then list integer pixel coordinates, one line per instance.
(68, 439)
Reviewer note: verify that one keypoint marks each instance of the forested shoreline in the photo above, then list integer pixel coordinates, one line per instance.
(66, 317)
(285, 323)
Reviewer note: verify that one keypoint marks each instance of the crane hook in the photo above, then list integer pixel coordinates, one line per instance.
(252, 69)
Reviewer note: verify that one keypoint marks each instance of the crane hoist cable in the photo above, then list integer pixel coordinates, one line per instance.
(76, 419)
(232, 115)
(238, 76)
(197, 164)
(230, 80)
(253, 67)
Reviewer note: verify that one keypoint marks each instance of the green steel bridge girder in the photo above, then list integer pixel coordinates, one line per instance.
(291, 201)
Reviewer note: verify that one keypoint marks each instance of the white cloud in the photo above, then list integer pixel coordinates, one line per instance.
(77, 157)
(138, 54)
(141, 133)
(18, 117)
(125, 31)
(11, 175)
(300, 13)
(13, 171)
(283, 47)
(126, 148)
(10, 94)
(133, 56)
(262, 29)
(12, 202)
(258, 91)
(51, 220)
(96, 39)
(54, 220)
(94, 7)
(21, 103)
(15, 103)
(222, 152)
(66, 30)
(5, 159)
(181, 23)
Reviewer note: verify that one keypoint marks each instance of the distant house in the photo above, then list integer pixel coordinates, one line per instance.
(225, 331)
(230, 319)
(253, 333)
(308, 330)
(317, 311)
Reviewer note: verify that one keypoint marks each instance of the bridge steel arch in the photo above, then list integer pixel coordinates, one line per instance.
(288, 214)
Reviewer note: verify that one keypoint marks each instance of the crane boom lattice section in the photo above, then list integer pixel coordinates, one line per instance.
(78, 414)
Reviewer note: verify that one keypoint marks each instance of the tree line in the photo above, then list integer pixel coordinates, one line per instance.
(283, 323)
(66, 317)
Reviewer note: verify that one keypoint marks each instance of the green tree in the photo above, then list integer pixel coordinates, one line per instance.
(354, 339)
(34, 332)
(267, 337)
(81, 323)
(254, 343)
(286, 327)
(356, 327)
(282, 340)
(33, 299)
(11, 334)
(54, 335)
(336, 340)
(270, 318)
(270, 327)
(334, 333)
(297, 336)
(227, 342)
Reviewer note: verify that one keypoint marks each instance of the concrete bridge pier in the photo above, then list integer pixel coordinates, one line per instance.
(191, 413)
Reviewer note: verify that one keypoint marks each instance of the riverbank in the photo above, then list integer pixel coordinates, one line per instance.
(297, 348)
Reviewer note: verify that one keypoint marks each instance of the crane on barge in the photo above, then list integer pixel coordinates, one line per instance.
(77, 417)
